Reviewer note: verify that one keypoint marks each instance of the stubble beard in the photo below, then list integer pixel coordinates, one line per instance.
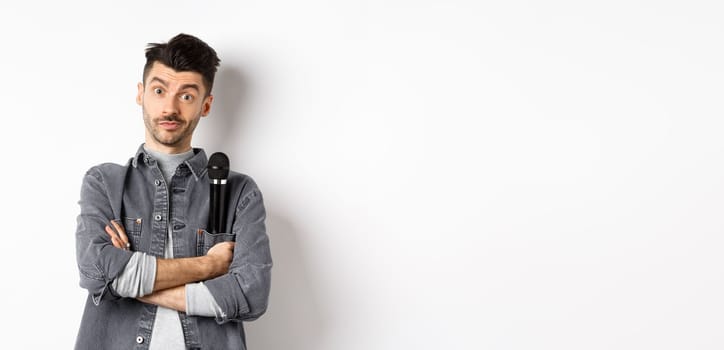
(169, 139)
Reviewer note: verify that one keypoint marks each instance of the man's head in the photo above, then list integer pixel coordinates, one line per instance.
(184, 53)
(176, 91)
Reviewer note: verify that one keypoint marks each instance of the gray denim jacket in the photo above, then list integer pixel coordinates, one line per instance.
(137, 195)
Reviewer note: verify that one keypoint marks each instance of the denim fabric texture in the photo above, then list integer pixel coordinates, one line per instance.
(138, 196)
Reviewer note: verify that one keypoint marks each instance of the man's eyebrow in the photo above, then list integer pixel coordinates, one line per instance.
(182, 87)
(190, 86)
(157, 79)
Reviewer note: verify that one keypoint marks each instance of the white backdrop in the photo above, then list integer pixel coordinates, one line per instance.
(437, 174)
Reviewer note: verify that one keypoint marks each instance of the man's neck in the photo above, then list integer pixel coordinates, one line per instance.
(168, 162)
(150, 146)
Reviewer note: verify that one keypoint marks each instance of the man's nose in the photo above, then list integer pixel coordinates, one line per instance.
(170, 106)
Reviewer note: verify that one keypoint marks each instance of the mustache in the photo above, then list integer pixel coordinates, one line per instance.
(169, 118)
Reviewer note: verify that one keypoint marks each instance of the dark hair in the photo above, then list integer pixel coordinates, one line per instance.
(184, 53)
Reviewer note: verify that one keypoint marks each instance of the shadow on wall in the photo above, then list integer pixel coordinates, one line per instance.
(227, 111)
(294, 318)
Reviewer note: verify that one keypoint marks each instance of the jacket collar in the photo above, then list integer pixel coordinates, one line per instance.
(197, 163)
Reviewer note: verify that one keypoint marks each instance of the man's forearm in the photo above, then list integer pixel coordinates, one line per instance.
(172, 298)
(177, 272)
(194, 299)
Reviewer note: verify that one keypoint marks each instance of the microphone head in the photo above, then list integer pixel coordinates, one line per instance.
(218, 166)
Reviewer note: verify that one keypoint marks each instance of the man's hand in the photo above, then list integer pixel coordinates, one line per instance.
(220, 256)
(118, 235)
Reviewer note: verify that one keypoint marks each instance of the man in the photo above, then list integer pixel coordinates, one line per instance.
(156, 278)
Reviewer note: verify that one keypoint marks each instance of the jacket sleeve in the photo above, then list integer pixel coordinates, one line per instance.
(243, 293)
(99, 262)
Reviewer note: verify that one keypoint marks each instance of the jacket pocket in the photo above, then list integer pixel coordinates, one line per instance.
(133, 231)
(205, 240)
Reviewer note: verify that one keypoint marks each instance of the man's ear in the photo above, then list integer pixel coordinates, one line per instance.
(139, 96)
(206, 108)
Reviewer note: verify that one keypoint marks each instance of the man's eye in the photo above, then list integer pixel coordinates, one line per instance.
(157, 91)
(187, 97)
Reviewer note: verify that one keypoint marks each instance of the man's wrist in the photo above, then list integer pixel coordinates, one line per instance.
(211, 267)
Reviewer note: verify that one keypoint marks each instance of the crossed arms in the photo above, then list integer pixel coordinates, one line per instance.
(172, 275)
(237, 275)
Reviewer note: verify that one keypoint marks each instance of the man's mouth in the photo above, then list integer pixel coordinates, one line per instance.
(169, 125)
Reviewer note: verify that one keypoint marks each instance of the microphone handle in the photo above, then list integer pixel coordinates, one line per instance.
(217, 212)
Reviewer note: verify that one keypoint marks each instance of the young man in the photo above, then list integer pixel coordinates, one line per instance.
(156, 278)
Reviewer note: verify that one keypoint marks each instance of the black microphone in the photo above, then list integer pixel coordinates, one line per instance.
(218, 169)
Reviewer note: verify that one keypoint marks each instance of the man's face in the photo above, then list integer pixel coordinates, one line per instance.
(173, 103)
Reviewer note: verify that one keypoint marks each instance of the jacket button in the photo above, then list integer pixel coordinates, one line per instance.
(157, 217)
(157, 182)
(139, 339)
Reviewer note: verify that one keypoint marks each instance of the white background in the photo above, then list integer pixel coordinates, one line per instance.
(437, 174)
